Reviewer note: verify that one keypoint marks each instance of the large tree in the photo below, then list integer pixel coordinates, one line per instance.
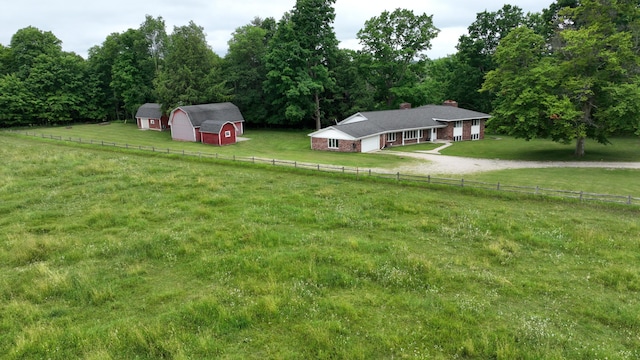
(474, 58)
(394, 45)
(245, 70)
(299, 63)
(43, 84)
(584, 86)
(191, 70)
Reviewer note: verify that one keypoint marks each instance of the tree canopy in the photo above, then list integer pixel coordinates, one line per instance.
(581, 84)
(568, 73)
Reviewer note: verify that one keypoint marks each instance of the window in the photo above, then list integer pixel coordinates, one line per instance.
(475, 136)
(413, 134)
(391, 137)
(153, 122)
(457, 138)
(333, 144)
(227, 133)
(475, 122)
(458, 124)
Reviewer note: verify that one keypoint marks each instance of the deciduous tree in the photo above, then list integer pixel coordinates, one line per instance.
(299, 62)
(584, 86)
(190, 69)
(394, 44)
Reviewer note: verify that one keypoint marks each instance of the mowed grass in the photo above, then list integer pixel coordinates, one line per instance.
(623, 182)
(112, 255)
(509, 148)
(293, 145)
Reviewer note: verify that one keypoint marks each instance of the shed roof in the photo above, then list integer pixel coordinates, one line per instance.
(149, 110)
(213, 126)
(224, 112)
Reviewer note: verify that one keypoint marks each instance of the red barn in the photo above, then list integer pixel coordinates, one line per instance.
(149, 117)
(186, 122)
(218, 132)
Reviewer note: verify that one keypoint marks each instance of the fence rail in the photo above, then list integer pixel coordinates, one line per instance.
(582, 196)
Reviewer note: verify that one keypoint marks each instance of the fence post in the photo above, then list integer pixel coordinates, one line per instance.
(253, 159)
(629, 200)
(234, 157)
(273, 162)
(428, 179)
(461, 182)
(580, 196)
(343, 169)
(102, 142)
(369, 172)
(398, 176)
(295, 164)
(537, 188)
(168, 150)
(498, 187)
(318, 167)
(153, 149)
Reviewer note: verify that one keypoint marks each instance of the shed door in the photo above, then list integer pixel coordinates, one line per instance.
(144, 123)
(371, 144)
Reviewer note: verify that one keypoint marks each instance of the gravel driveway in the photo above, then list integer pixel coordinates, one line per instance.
(442, 164)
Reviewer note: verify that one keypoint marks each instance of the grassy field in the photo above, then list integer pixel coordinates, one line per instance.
(509, 148)
(291, 145)
(112, 255)
(294, 145)
(599, 181)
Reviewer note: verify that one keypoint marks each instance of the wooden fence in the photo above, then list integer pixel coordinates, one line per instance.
(358, 172)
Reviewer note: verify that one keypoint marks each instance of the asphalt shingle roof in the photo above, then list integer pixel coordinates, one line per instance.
(219, 112)
(425, 117)
(212, 126)
(149, 110)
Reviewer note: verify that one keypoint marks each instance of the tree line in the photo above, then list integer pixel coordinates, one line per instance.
(569, 72)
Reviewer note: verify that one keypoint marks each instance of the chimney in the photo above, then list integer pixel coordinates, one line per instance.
(450, 103)
(405, 106)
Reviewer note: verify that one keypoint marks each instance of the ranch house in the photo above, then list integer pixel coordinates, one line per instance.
(375, 130)
(216, 124)
(149, 117)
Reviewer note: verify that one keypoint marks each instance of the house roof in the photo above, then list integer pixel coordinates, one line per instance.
(198, 114)
(369, 123)
(149, 110)
(213, 126)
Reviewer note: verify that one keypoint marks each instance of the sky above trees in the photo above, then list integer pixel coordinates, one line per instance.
(81, 25)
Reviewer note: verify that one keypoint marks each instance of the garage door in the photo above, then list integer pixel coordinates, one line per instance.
(371, 144)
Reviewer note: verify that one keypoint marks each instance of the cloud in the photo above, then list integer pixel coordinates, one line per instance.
(81, 24)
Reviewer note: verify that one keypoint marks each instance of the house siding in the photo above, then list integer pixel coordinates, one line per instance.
(220, 139)
(343, 145)
(153, 123)
(181, 128)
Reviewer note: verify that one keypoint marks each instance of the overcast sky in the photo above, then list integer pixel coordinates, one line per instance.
(81, 24)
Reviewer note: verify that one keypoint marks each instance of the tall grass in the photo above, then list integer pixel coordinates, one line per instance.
(117, 255)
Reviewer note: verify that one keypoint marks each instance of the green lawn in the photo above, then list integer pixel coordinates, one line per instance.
(292, 145)
(509, 148)
(119, 255)
(601, 181)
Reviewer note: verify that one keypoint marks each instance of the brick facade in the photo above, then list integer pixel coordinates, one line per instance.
(447, 132)
(343, 145)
